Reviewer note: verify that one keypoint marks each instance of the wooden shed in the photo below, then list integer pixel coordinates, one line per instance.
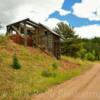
(33, 34)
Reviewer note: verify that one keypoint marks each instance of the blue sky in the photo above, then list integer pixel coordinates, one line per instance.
(72, 19)
(67, 5)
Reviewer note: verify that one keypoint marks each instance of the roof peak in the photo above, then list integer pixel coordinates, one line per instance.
(36, 24)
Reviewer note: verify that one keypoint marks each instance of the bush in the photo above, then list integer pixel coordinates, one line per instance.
(16, 64)
(81, 53)
(90, 56)
(55, 65)
(47, 73)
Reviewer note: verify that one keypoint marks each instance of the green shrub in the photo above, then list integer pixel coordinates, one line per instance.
(81, 53)
(55, 65)
(47, 73)
(90, 56)
(16, 64)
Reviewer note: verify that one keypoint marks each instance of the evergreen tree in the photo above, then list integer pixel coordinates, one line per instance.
(16, 64)
(69, 43)
(65, 31)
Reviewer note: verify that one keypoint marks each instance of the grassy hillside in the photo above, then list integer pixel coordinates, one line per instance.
(38, 72)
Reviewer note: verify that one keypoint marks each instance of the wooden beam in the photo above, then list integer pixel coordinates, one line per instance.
(17, 31)
(25, 32)
(31, 24)
(22, 21)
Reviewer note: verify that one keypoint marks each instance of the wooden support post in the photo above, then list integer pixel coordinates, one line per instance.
(34, 38)
(25, 33)
(10, 32)
(19, 28)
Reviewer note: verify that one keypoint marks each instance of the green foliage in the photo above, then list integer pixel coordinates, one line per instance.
(65, 31)
(90, 56)
(55, 65)
(81, 53)
(16, 64)
(72, 45)
(92, 46)
(47, 73)
(70, 42)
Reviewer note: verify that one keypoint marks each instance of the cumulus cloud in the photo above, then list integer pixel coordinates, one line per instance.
(88, 31)
(52, 22)
(11, 10)
(87, 9)
(63, 12)
(39, 11)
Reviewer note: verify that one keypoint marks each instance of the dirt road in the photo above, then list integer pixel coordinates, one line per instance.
(83, 87)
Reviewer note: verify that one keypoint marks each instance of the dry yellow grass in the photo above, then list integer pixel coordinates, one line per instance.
(21, 84)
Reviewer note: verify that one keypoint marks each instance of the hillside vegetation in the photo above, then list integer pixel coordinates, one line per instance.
(38, 71)
(75, 46)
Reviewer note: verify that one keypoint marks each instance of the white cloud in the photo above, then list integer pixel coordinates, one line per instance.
(11, 10)
(63, 12)
(86, 9)
(2, 31)
(52, 22)
(88, 31)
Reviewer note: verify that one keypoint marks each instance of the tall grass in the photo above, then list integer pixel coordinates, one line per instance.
(21, 84)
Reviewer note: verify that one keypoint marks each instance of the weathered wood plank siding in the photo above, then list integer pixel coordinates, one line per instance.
(29, 33)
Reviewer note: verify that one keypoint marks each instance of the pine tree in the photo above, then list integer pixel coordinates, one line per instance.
(16, 64)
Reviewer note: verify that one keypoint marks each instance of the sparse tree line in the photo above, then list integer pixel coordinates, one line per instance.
(74, 46)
